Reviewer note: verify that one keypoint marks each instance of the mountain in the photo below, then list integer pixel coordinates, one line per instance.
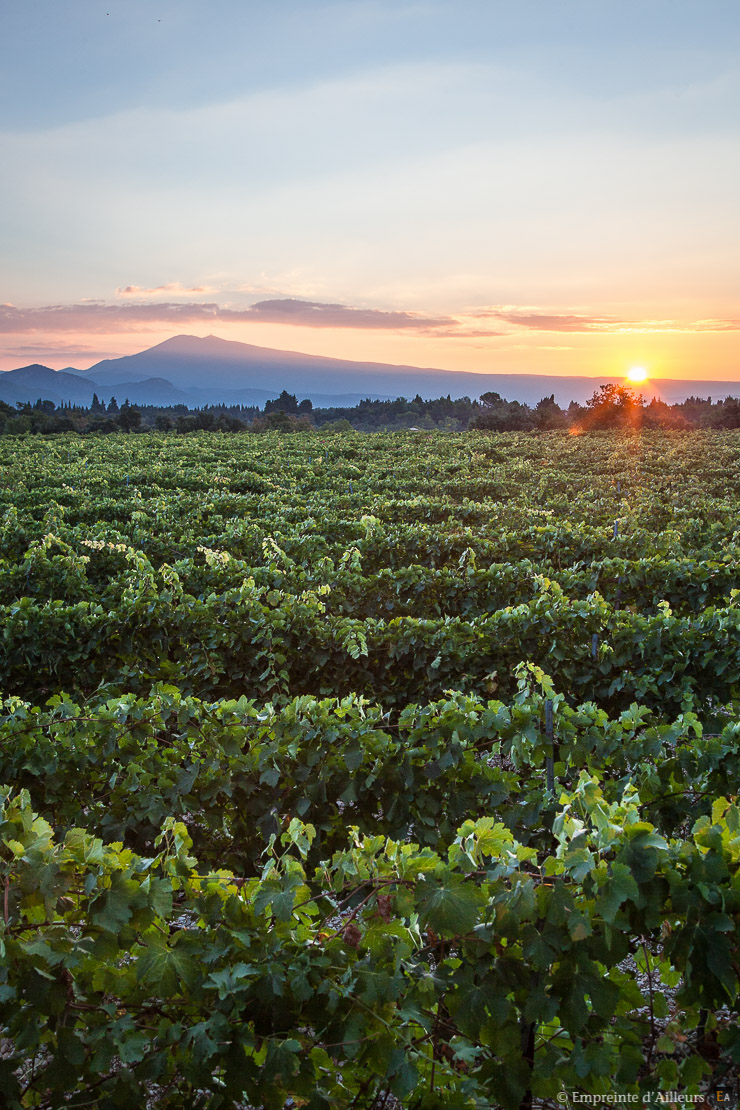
(28, 383)
(199, 371)
(214, 369)
(208, 364)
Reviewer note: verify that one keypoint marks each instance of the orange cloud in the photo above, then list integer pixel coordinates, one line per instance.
(538, 321)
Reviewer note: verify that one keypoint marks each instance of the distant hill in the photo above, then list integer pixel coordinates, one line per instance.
(28, 383)
(150, 391)
(199, 371)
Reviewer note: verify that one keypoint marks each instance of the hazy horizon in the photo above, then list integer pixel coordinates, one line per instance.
(195, 371)
(401, 366)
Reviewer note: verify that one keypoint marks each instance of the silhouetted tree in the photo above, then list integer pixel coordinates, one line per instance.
(286, 402)
(499, 415)
(726, 413)
(548, 414)
(129, 418)
(660, 415)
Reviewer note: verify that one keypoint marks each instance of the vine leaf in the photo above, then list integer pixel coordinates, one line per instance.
(447, 905)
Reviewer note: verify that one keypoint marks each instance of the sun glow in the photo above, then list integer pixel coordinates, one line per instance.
(637, 374)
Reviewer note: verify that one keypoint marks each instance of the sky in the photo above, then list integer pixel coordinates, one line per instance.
(533, 186)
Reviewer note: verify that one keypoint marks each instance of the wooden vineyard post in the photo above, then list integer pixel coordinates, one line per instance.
(528, 1029)
(550, 759)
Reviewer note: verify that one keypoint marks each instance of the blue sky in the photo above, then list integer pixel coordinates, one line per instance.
(538, 186)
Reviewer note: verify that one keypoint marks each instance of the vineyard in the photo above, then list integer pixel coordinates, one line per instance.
(369, 771)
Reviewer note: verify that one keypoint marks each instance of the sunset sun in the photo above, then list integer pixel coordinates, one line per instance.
(637, 374)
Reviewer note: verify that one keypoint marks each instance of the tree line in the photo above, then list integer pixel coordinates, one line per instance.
(610, 407)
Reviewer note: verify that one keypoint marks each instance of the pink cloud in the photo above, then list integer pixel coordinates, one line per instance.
(58, 347)
(314, 314)
(535, 320)
(106, 318)
(541, 321)
(137, 316)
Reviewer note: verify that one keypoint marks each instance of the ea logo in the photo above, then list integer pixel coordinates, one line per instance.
(722, 1097)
